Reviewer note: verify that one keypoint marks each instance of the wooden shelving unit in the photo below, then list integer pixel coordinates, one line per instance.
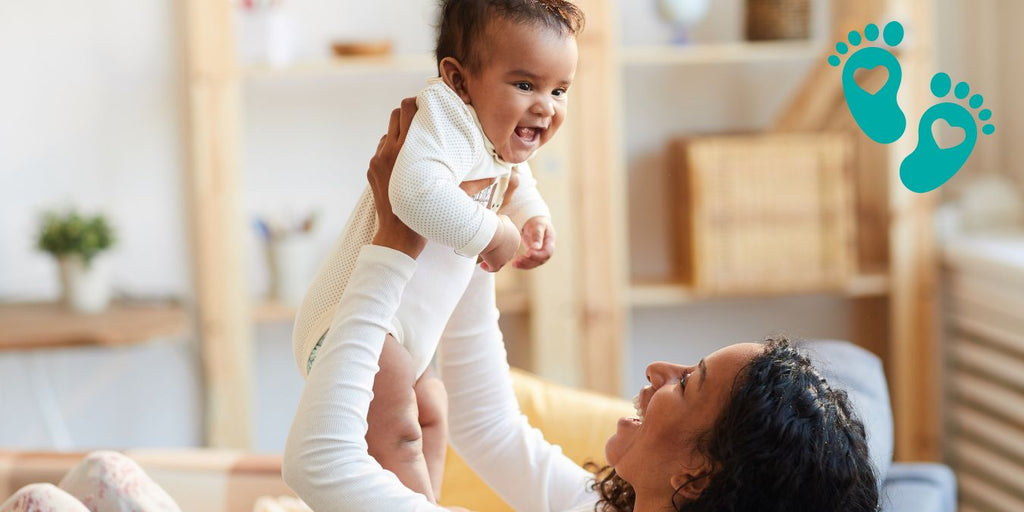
(642, 295)
(578, 309)
(720, 53)
(892, 300)
(31, 326)
(412, 64)
(512, 302)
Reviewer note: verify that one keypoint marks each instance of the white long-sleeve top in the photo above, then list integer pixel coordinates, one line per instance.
(444, 147)
(326, 461)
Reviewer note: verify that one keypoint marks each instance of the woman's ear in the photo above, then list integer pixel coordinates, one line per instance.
(454, 75)
(690, 485)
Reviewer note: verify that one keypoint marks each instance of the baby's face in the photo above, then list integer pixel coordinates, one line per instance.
(520, 90)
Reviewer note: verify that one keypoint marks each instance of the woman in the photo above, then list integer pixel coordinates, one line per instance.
(750, 427)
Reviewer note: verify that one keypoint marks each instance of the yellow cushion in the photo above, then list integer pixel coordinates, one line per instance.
(578, 421)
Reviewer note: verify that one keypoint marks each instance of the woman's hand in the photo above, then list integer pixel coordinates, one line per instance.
(391, 231)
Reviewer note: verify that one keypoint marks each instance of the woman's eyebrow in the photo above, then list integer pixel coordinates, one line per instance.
(703, 373)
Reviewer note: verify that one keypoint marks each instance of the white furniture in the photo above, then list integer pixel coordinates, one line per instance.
(985, 369)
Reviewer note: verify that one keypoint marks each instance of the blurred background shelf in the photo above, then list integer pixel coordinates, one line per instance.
(644, 295)
(721, 53)
(511, 302)
(50, 325)
(399, 64)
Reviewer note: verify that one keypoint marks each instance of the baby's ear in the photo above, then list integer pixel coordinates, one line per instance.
(454, 75)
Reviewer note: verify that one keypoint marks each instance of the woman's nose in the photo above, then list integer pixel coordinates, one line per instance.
(658, 373)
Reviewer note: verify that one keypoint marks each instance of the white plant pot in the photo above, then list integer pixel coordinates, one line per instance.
(267, 36)
(289, 261)
(86, 288)
(683, 14)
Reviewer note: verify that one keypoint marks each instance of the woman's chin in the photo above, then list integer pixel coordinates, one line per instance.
(610, 454)
(621, 440)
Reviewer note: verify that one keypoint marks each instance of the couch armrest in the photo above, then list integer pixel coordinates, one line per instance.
(860, 374)
(919, 487)
(578, 421)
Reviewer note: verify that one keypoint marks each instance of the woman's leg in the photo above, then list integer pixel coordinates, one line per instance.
(42, 498)
(111, 482)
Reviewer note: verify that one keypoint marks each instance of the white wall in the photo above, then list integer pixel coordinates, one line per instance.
(92, 105)
(91, 117)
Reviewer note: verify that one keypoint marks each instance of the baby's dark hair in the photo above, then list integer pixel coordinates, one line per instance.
(464, 22)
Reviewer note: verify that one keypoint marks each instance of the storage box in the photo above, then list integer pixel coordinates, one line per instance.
(764, 214)
(778, 19)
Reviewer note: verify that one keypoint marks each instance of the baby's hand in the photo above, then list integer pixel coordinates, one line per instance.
(503, 245)
(539, 238)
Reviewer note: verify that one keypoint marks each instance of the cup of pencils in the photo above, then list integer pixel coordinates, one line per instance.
(288, 246)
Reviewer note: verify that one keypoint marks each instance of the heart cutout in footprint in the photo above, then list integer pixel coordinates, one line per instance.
(871, 80)
(946, 135)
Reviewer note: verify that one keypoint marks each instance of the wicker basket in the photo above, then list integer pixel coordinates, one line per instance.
(778, 19)
(764, 214)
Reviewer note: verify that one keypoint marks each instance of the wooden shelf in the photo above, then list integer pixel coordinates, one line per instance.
(50, 325)
(413, 64)
(270, 311)
(663, 294)
(868, 285)
(720, 53)
(674, 294)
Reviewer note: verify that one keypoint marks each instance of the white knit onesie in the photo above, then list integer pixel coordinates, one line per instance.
(445, 146)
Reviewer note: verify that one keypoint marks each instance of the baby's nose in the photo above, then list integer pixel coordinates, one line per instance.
(544, 107)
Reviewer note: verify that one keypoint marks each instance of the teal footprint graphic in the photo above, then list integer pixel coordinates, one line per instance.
(878, 115)
(929, 165)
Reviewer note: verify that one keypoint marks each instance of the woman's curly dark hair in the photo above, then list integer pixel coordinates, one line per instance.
(786, 441)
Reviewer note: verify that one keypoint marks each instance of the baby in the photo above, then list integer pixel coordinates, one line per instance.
(505, 69)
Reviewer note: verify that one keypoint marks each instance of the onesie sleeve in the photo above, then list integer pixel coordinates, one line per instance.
(326, 460)
(442, 146)
(527, 202)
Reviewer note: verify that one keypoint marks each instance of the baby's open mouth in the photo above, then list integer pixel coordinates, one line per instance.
(528, 133)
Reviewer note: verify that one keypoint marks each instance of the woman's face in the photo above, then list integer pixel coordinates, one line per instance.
(680, 403)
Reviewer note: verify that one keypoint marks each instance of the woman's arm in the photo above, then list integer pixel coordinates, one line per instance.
(486, 426)
(326, 461)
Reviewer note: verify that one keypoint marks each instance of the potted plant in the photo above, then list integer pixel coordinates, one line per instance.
(75, 241)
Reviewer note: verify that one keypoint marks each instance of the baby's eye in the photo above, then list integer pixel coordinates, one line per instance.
(524, 86)
(559, 92)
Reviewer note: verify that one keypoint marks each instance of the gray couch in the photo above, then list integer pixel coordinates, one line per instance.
(917, 487)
